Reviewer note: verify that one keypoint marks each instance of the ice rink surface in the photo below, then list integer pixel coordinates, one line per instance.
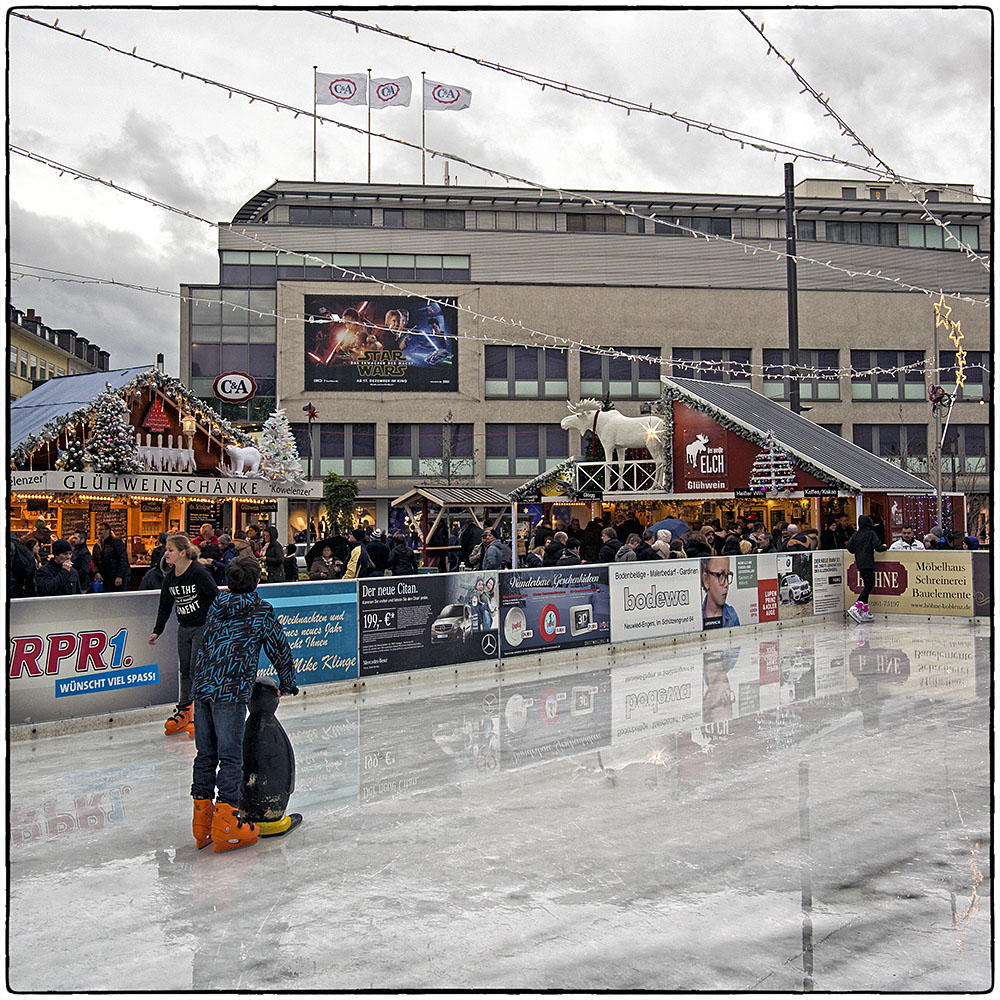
(774, 811)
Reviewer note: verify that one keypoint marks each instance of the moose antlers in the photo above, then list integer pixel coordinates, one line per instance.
(584, 406)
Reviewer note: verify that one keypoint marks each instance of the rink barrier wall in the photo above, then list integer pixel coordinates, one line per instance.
(88, 655)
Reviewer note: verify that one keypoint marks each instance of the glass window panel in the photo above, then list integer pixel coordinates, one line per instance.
(526, 220)
(486, 220)
(915, 235)
(400, 440)
(916, 439)
(975, 439)
(546, 221)
(863, 436)
(869, 232)
(775, 390)
(574, 222)
(374, 260)
(209, 334)
(888, 441)
(933, 237)
(556, 442)
(614, 223)
(526, 441)
(235, 256)
(234, 274)
(461, 440)
(751, 228)
(620, 368)
(769, 229)
(203, 311)
(205, 360)
(495, 362)
(505, 220)
(496, 441)
(888, 234)
(806, 229)
(262, 256)
(591, 388)
(429, 441)
(526, 363)
(430, 260)
(861, 390)
(620, 388)
(590, 365)
(886, 359)
(363, 441)
(828, 390)
(648, 370)
(456, 262)
(970, 236)
(263, 360)
(401, 466)
(555, 362)
(331, 440)
(234, 334)
(526, 389)
(498, 466)
(392, 218)
(235, 357)
(352, 260)
(400, 260)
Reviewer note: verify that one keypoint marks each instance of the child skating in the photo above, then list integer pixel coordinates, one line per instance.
(864, 543)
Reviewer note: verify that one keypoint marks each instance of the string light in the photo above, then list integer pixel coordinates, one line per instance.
(846, 129)
(564, 193)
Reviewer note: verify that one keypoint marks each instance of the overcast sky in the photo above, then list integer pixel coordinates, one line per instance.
(913, 83)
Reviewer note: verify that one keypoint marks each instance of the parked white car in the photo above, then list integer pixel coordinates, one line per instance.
(794, 590)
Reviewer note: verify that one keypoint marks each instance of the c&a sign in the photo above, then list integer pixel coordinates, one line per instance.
(234, 387)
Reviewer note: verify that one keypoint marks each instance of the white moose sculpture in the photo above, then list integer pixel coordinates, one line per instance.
(616, 432)
(243, 461)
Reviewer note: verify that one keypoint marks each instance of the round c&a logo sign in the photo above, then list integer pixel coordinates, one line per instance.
(446, 95)
(343, 90)
(234, 387)
(387, 91)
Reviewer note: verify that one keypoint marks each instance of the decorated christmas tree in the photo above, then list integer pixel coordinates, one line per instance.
(112, 446)
(72, 456)
(772, 470)
(279, 454)
(156, 419)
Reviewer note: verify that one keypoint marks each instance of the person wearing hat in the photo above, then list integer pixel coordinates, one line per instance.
(378, 552)
(57, 577)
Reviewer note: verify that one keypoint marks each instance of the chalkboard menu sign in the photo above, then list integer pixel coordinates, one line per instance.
(100, 506)
(199, 513)
(117, 518)
(37, 505)
(74, 518)
(151, 506)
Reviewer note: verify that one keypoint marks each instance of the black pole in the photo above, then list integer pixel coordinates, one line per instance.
(793, 289)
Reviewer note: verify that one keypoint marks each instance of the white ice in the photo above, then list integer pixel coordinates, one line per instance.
(571, 825)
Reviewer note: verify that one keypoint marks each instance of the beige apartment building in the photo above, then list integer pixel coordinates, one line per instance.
(322, 297)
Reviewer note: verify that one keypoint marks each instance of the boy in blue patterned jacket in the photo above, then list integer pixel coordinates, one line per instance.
(239, 624)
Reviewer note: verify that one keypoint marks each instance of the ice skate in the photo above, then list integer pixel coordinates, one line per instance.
(178, 722)
(855, 612)
(201, 823)
(229, 831)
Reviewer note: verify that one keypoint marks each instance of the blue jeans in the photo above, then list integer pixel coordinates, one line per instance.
(218, 735)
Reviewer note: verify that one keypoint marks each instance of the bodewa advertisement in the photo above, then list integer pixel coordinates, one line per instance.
(654, 699)
(654, 599)
(935, 582)
(738, 590)
(554, 608)
(88, 655)
(320, 621)
(410, 622)
(381, 343)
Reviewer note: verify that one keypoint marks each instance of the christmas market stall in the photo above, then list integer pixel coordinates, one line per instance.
(133, 447)
(715, 450)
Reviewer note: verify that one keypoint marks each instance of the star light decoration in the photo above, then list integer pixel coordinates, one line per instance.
(954, 330)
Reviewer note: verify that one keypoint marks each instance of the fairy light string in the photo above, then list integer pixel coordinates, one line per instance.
(564, 193)
(846, 130)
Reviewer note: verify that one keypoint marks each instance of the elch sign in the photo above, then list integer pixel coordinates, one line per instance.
(234, 387)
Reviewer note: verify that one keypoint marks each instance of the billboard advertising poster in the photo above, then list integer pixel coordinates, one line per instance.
(321, 623)
(411, 622)
(938, 582)
(554, 608)
(87, 655)
(554, 717)
(650, 599)
(380, 343)
(795, 584)
(656, 698)
(828, 581)
(412, 747)
(326, 756)
(730, 594)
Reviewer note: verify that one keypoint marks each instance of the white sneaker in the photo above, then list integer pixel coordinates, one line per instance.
(855, 613)
(867, 616)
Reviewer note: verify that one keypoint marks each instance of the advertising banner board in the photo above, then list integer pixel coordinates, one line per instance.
(87, 655)
(410, 622)
(733, 591)
(935, 582)
(828, 581)
(380, 343)
(321, 623)
(554, 717)
(795, 584)
(554, 608)
(655, 699)
(651, 599)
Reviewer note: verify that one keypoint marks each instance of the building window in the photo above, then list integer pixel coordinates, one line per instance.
(620, 377)
(805, 229)
(529, 372)
(823, 386)
(878, 375)
(13, 359)
(24, 364)
(877, 194)
(594, 222)
(712, 364)
(849, 193)
(932, 196)
(423, 218)
(904, 445)
(524, 449)
(965, 449)
(885, 234)
(60, 372)
(977, 374)
(680, 225)
(832, 428)
(346, 449)
(935, 238)
(438, 450)
(33, 370)
(302, 215)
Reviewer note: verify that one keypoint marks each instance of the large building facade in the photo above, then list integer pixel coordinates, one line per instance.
(471, 388)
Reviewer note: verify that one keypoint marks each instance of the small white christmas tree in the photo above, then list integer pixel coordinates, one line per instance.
(772, 470)
(112, 447)
(279, 454)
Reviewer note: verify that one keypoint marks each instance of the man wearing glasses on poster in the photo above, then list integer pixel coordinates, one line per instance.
(715, 580)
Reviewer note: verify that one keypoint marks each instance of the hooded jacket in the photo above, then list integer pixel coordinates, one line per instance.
(662, 544)
(239, 626)
(864, 543)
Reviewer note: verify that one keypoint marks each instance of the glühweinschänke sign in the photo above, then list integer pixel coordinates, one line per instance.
(157, 484)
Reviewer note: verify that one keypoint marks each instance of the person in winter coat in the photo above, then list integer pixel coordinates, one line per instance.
(378, 552)
(21, 568)
(291, 564)
(496, 555)
(907, 541)
(471, 536)
(82, 559)
(695, 546)
(111, 560)
(662, 544)
(402, 559)
(323, 567)
(731, 546)
(161, 546)
(57, 577)
(534, 557)
(644, 551)
(590, 544)
(274, 556)
(554, 548)
(153, 577)
(189, 587)
(358, 564)
(571, 553)
(626, 552)
(609, 545)
(238, 626)
(864, 543)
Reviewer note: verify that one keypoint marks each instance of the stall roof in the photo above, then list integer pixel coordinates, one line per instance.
(835, 459)
(61, 396)
(453, 496)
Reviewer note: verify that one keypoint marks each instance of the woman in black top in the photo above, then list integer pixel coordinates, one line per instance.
(190, 587)
(274, 557)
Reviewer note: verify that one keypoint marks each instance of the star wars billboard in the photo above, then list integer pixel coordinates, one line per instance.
(381, 343)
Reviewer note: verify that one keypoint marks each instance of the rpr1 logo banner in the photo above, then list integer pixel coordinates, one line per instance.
(409, 622)
(554, 608)
(653, 599)
(321, 623)
(88, 655)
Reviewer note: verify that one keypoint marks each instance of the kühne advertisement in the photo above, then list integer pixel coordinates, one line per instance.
(935, 582)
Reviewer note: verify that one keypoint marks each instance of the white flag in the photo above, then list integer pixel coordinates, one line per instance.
(386, 93)
(445, 97)
(341, 88)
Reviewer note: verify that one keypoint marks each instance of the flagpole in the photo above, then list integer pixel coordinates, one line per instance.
(369, 124)
(423, 128)
(314, 123)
